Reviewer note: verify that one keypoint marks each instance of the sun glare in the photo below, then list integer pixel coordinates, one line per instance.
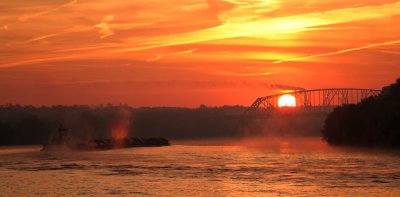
(287, 100)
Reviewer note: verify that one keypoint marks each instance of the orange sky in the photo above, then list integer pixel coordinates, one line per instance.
(192, 52)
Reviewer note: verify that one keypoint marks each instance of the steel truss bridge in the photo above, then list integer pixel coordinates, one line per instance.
(318, 100)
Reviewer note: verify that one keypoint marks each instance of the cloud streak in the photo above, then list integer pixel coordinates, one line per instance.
(104, 30)
(27, 17)
(339, 52)
(159, 57)
(74, 29)
(248, 26)
(104, 27)
(191, 84)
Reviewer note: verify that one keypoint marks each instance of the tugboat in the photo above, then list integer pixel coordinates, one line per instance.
(63, 142)
(58, 143)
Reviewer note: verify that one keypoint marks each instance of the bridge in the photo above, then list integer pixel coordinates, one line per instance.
(317, 100)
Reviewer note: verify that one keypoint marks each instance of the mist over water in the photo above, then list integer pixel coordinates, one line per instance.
(253, 166)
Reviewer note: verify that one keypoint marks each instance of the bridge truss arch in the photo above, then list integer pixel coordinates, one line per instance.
(316, 99)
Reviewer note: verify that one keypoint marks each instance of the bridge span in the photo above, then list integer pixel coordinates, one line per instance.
(317, 100)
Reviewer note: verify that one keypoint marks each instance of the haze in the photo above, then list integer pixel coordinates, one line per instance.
(191, 52)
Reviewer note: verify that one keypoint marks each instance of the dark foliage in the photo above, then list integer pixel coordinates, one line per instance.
(34, 125)
(375, 122)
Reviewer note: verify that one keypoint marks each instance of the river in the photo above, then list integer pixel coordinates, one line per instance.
(281, 167)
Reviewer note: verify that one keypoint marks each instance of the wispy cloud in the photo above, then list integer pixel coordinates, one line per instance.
(74, 29)
(192, 84)
(155, 58)
(159, 57)
(245, 74)
(104, 28)
(188, 51)
(244, 20)
(27, 17)
(44, 60)
(339, 52)
(241, 26)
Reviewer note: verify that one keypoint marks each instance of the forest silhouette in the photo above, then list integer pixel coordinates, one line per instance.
(35, 125)
(374, 122)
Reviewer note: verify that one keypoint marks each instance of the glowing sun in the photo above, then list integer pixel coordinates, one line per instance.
(287, 100)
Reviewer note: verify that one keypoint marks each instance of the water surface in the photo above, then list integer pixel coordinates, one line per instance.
(246, 168)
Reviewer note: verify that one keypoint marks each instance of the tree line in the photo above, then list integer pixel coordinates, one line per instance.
(374, 122)
(34, 125)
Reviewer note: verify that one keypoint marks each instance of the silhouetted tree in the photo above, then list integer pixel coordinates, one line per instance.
(374, 122)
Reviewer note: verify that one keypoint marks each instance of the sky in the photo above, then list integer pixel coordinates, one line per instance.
(192, 52)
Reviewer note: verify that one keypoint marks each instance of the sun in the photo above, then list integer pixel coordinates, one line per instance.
(287, 100)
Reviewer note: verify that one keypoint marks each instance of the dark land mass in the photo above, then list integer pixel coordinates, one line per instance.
(21, 125)
(374, 122)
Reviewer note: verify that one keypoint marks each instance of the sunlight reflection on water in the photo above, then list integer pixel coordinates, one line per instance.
(244, 168)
